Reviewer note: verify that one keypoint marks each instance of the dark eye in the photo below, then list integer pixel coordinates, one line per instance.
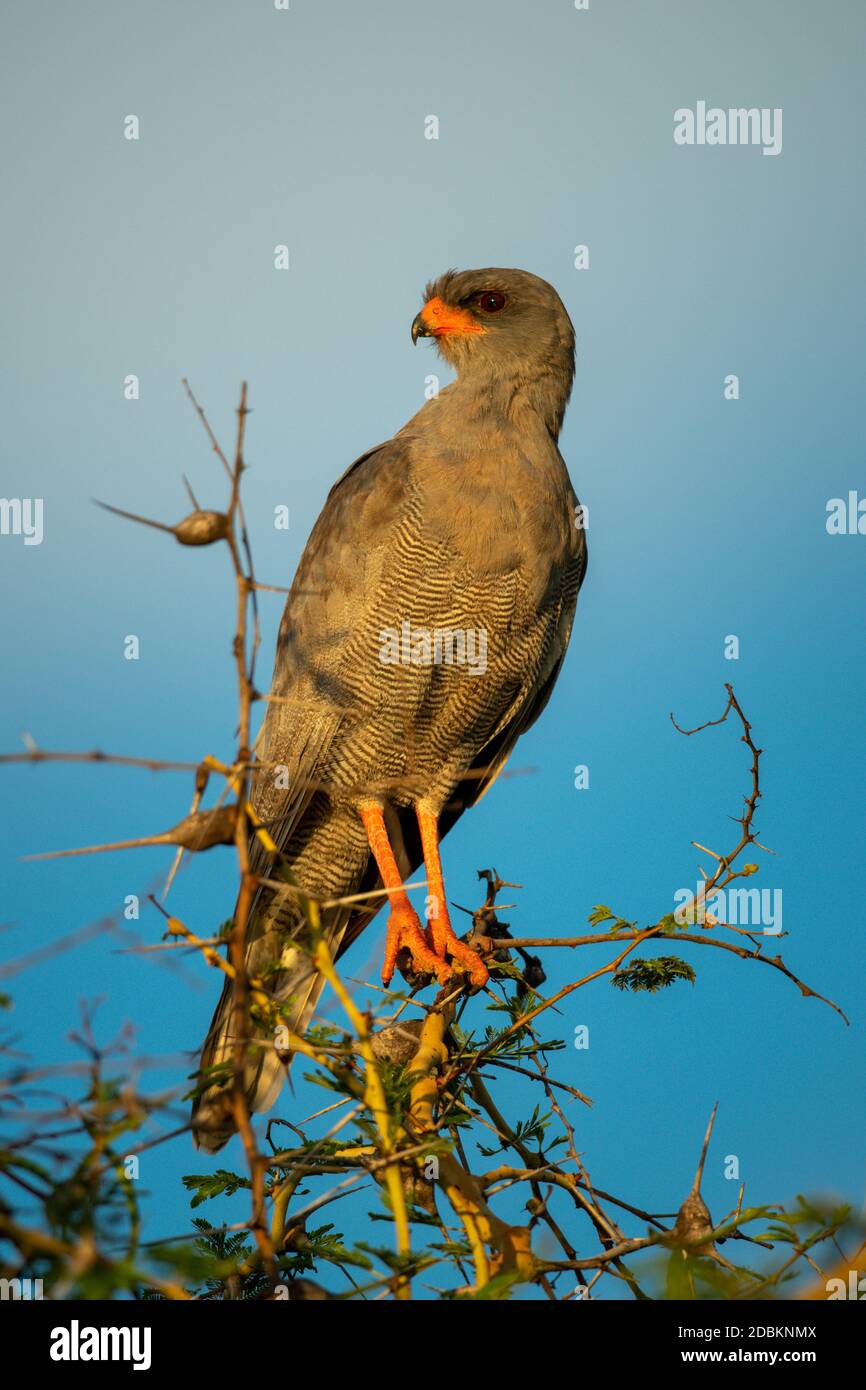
(491, 301)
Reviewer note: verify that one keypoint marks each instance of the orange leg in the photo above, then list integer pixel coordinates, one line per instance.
(442, 934)
(404, 928)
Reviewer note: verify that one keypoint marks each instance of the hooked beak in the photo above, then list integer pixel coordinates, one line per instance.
(437, 319)
(419, 329)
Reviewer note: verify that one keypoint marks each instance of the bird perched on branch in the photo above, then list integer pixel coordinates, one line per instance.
(423, 634)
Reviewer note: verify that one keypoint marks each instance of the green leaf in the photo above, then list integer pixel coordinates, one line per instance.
(600, 914)
(208, 1185)
(647, 975)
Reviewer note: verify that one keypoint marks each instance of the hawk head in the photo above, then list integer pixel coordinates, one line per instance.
(495, 319)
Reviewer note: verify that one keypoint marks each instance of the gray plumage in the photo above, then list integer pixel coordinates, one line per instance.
(465, 521)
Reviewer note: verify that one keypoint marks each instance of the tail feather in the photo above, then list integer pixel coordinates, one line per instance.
(296, 985)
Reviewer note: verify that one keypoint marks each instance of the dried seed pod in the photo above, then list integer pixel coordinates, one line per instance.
(418, 1190)
(202, 528)
(397, 1043)
(694, 1225)
(305, 1291)
(204, 829)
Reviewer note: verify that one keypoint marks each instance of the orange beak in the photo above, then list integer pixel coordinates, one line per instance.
(437, 319)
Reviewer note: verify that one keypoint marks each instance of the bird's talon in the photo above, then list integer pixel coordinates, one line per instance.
(447, 943)
(472, 963)
(405, 934)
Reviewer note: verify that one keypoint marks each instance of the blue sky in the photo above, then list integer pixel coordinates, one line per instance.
(707, 515)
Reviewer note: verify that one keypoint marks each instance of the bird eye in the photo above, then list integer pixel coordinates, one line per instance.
(491, 301)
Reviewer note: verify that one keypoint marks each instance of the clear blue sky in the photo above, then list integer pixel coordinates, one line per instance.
(707, 516)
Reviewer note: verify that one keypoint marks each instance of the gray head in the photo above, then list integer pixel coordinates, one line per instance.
(505, 325)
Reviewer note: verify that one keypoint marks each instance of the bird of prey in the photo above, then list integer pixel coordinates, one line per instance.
(423, 633)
